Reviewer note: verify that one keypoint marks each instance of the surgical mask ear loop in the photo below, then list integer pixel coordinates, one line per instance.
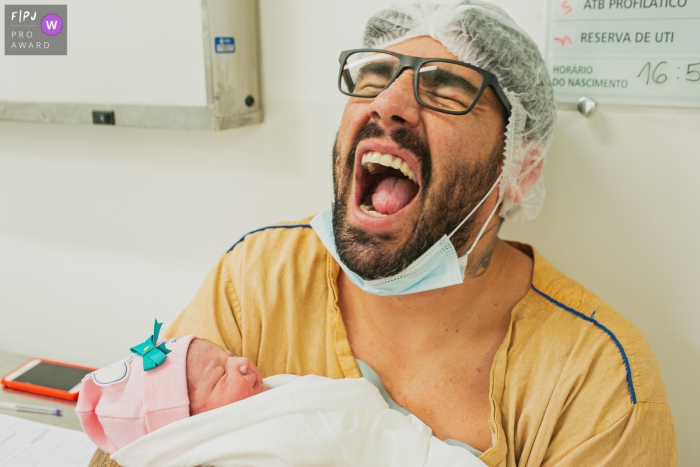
(463, 259)
(475, 208)
(481, 232)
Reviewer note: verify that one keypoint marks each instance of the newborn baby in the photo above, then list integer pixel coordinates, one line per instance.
(124, 401)
(309, 420)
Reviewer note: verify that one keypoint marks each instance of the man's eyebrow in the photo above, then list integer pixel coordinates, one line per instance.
(381, 68)
(444, 77)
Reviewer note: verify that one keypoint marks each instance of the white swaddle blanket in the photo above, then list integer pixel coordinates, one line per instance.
(303, 421)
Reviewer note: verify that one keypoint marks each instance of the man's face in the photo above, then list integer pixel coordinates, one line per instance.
(216, 378)
(386, 217)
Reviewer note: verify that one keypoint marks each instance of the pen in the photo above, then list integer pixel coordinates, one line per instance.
(30, 408)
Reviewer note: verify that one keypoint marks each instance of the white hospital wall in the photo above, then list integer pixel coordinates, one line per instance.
(104, 229)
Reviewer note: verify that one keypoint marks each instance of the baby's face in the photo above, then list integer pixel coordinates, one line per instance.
(216, 378)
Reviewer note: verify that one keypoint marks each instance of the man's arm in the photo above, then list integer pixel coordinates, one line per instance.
(643, 437)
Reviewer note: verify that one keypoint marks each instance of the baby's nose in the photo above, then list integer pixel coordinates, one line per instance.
(245, 366)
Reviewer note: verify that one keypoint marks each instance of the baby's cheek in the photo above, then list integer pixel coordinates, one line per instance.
(237, 392)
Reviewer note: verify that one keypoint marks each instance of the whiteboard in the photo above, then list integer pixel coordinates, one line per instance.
(109, 57)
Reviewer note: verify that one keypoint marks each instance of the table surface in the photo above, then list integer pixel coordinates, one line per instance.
(68, 419)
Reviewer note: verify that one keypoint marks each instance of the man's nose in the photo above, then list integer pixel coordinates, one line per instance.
(397, 104)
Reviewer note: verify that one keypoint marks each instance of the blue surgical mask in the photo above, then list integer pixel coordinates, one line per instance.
(436, 268)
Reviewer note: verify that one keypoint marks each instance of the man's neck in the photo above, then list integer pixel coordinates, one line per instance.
(497, 277)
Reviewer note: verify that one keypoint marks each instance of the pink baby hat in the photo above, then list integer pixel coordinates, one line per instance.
(121, 402)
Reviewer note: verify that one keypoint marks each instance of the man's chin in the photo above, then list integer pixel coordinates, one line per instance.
(371, 246)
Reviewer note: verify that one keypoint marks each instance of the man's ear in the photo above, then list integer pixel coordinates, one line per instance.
(533, 166)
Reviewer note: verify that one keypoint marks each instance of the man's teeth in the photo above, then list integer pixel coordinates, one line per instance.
(373, 158)
(370, 210)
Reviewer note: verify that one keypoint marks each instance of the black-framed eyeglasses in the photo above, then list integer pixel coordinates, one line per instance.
(444, 85)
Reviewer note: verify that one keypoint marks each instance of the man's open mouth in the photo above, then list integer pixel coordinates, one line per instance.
(387, 184)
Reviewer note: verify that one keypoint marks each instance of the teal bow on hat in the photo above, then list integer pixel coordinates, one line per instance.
(153, 355)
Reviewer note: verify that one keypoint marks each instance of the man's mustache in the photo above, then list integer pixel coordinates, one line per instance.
(405, 138)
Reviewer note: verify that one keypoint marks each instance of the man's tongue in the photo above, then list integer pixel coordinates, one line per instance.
(392, 194)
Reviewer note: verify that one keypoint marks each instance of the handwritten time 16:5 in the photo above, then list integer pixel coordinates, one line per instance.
(654, 73)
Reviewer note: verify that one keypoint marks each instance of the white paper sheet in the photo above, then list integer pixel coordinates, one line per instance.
(30, 444)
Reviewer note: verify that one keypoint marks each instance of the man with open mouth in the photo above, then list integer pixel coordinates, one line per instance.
(405, 281)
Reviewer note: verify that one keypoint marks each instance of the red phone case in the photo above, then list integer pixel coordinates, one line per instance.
(43, 390)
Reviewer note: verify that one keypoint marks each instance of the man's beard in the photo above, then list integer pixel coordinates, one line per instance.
(374, 256)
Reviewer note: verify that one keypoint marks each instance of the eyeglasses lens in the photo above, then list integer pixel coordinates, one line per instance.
(441, 85)
(367, 73)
